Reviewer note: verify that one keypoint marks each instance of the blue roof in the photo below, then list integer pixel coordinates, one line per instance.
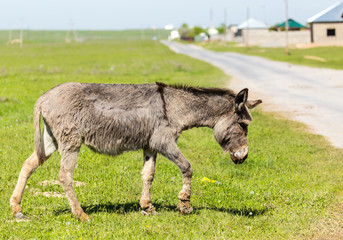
(333, 13)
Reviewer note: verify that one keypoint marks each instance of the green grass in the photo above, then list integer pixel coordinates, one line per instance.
(287, 186)
(32, 36)
(332, 55)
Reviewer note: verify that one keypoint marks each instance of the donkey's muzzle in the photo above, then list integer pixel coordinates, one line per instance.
(239, 156)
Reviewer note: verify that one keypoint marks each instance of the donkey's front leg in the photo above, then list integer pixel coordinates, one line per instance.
(173, 153)
(68, 164)
(185, 193)
(147, 177)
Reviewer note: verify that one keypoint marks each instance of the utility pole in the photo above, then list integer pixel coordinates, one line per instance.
(247, 32)
(21, 34)
(225, 21)
(211, 25)
(21, 38)
(286, 26)
(71, 29)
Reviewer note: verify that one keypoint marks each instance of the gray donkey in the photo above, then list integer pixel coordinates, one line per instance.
(113, 118)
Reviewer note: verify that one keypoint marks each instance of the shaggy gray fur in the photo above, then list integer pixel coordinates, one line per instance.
(115, 118)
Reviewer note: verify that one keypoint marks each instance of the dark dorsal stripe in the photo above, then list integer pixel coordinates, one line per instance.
(199, 90)
(160, 89)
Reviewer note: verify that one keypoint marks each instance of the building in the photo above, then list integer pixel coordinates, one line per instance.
(174, 34)
(292, 26)
(250, 24)
(256, 33)
(327, 26)
(249, 30)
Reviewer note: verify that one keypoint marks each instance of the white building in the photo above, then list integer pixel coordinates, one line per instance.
(174, 35)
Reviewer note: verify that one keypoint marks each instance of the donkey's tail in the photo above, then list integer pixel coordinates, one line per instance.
(38, 135)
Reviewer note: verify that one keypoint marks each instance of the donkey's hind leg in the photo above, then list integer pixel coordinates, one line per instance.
(28, 168)
(147, 177)
(68, 164)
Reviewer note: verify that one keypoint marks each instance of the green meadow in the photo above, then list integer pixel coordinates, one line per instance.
(323, 57)
(290, 187)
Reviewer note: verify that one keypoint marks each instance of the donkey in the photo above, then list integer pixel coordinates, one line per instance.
(113, 118)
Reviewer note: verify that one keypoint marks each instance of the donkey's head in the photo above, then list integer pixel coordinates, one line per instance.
(231, 130)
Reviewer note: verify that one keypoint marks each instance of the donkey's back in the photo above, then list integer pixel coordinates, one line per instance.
(109, 118)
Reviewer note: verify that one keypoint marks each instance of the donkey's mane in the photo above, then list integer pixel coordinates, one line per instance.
(198, 90)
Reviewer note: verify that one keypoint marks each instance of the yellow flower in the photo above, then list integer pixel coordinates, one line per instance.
(205, 179)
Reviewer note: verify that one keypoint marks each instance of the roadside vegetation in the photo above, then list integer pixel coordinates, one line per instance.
(323, 57)
(288, 188)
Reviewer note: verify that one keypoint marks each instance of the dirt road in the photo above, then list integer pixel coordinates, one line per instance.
(313, 96)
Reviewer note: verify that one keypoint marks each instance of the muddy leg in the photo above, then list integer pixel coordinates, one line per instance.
(173, 153)
(68, 164)
(29, 166)
(147, 177)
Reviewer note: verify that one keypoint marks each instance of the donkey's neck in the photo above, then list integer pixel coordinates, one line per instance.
(191, 109)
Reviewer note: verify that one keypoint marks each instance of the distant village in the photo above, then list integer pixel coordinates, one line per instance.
(323, 29)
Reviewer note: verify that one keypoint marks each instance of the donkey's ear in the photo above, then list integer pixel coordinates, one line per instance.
(241, 99)
(252, 104)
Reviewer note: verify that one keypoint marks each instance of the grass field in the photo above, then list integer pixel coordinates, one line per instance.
(324, 57)
(31, 36)
(288, 188)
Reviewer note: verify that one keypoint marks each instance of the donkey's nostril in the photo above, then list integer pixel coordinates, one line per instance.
(239, 156)
(243, 159)
(241, 153)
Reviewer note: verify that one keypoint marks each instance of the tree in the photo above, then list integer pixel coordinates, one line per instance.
(198, 30)
(222, 28)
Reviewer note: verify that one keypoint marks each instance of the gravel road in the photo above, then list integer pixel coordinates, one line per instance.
(313, 96)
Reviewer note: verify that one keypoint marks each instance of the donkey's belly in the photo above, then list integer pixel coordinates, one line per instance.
(115, 146)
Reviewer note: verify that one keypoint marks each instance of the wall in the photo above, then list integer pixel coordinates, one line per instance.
(266, 38)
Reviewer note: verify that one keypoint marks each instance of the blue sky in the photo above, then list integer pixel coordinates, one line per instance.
(133, 14)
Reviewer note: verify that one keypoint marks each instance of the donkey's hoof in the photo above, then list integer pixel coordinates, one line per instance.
(145, 213)
(149, 211)
(185, 207)
(186, 210)
(84, 218)
(19, 215)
